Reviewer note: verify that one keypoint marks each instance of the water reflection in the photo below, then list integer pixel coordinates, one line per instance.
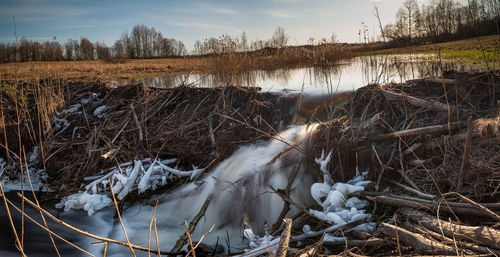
(343, 76)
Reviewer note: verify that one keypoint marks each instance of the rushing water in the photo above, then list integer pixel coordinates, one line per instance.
(343, 76)
(241, 186)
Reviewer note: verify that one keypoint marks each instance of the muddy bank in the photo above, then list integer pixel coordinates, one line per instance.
(95, 127)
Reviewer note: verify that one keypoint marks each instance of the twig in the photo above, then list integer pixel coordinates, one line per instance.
(480, 207)
(120, 217)
(192, 225)
(414, 191)
(465, 159)
(189, 238)
(136, 120)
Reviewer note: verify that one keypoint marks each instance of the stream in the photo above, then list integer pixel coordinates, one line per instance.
(240, 188)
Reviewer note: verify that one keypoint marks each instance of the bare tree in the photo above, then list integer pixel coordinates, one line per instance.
(377, 15)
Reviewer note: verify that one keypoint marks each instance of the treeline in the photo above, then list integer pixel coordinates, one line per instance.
(144, 42)
(442, 20)
(228, 44)
(141, 43)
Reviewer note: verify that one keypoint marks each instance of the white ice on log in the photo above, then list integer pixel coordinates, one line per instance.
(140, 175)
(83, 200)
(338, 207)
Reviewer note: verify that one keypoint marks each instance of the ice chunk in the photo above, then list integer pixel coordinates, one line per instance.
(83, 200)
(131, 180)
(144, 183)
(319, 190)
(323, 164)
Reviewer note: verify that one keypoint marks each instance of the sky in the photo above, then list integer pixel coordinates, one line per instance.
(189, 20)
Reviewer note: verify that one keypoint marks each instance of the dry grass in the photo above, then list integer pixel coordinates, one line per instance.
(100, 70)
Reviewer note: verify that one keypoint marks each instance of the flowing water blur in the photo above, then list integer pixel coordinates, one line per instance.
(241, 186)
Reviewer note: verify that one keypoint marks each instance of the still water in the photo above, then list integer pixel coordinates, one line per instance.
(343, 76)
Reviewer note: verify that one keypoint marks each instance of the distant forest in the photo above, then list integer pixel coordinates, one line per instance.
(438, 21)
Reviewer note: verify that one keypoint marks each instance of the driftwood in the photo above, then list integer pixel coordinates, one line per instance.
(430, 205)
(436, 129)
(434, 80)
(426, 103)
(481, 235)
(285, 239)
(423, 201)
(463, 244)
(418, 242)
(359, 243)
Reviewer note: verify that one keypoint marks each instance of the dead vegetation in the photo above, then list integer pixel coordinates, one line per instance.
(101, 126)
(432, 148)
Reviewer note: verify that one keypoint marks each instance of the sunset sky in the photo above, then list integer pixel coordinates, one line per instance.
(188, 20)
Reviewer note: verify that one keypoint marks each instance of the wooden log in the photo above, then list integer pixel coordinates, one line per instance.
(422, 201)
(436, 129)
(425, 103)
(464, 244)
(481, 235)
(430, 205)
(434, 80)
(418, 242)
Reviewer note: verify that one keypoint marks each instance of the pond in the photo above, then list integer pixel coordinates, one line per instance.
(342, 76)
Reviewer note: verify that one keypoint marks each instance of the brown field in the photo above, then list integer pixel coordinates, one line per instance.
(98, 70)
(95, 70)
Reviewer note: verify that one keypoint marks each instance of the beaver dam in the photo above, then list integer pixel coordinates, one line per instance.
(396, 169)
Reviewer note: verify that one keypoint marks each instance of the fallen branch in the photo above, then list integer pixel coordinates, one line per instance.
(192, 225)
(436, 129)
(429, 104)
(467, 245)
(430, 205)
(418, 242)
(358, 243)
(481, 235)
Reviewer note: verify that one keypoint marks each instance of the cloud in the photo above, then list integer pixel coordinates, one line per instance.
(201, 25)
(284, 14)
(216, 9)
(222, 10)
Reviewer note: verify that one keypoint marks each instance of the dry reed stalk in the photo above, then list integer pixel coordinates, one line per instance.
(120, 218)
(156, 238)
(104, 239)
(37, 203)
(189, 239)
(44, 227)
(18, 242)
(150, 225)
